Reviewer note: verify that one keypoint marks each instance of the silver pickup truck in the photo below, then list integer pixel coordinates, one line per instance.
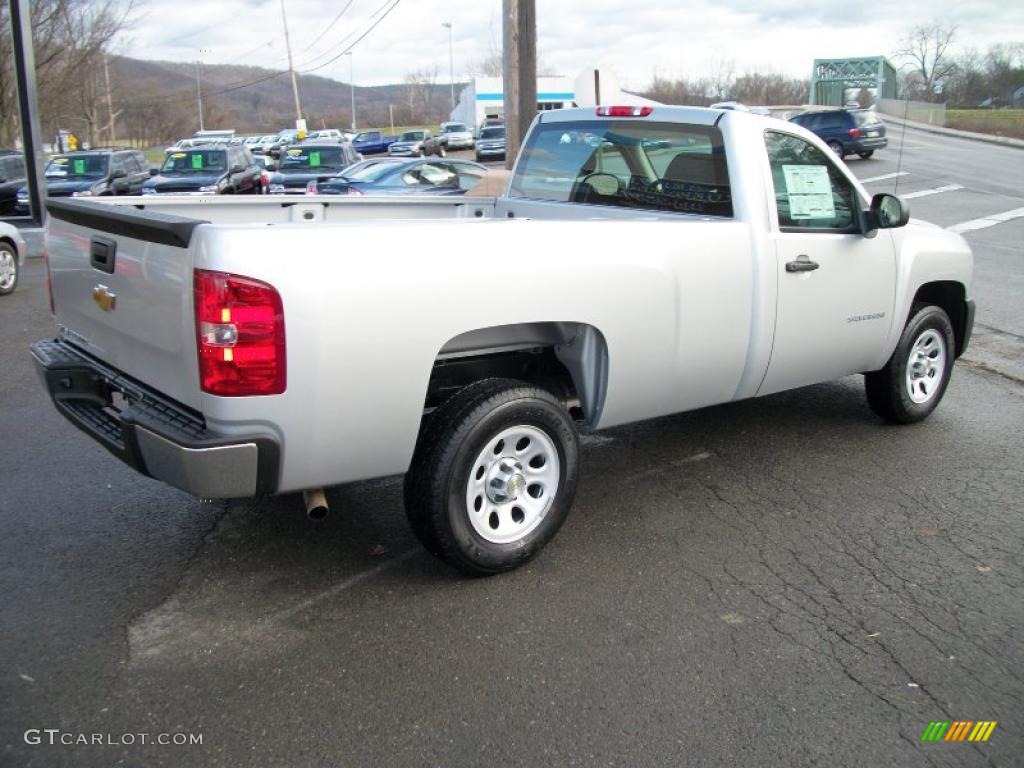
(642, 262)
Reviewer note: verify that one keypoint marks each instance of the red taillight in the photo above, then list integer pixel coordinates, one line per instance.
(354, 191)
(311, 187)
(855, 133)
(240, 334)
(624, 111)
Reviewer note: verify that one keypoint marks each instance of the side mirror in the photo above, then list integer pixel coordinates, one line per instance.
(886, 212)
(118, 174)
(154, 171)
(237, 168)
(271, 167)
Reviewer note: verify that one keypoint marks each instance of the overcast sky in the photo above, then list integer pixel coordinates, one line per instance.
(633, 38)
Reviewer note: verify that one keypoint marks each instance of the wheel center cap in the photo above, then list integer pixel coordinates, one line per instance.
(505, 481)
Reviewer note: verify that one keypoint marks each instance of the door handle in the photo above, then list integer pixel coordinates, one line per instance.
(802, 264)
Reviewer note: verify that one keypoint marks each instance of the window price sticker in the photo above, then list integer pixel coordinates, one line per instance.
(809, 191)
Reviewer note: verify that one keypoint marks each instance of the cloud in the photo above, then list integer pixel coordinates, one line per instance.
(635, 38)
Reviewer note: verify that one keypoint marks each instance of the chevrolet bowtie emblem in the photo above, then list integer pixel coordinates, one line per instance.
(104, 298)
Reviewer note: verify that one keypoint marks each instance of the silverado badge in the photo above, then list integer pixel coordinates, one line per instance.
(104, 297)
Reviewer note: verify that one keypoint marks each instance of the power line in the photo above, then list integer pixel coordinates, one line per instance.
(329, 26)
(381, 13)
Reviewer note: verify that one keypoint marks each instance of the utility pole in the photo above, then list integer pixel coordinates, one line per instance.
(451, 62)
(199, 97)
(391, 116)
(352, 85)
(111, 116)
(291, 67)
(519, 69)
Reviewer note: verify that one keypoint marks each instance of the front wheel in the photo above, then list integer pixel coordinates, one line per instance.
(8, 269)
(914, 380)
(837, 149)
(493, 476)
(866, 155)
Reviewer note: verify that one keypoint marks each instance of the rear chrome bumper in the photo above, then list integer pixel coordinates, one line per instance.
(151, 434)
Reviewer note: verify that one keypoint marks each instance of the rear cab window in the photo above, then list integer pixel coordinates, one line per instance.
(668, 167)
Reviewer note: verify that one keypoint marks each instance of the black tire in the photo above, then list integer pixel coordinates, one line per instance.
(7, 252)
(449, 445)
(479, 159)
(837, 148)
(888, 390)
(866, 155)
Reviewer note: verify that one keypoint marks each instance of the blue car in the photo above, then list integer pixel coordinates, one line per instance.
(395, 176)
(846, 131)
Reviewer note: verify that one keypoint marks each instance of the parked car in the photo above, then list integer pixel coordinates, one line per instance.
(419, 142)
(285, 138)
(846, 131)
(12, 257)
(490, 144)
(309, 161)
(12, 178)
(456, 136)
(326, 134)
(212, 169)
(372, 142)
(365, 338)
(397, 176)
(91, 173)
(268, 167)
(262, 145)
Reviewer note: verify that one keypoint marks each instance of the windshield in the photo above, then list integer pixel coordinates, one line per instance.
(371, 171)
(195, 161)
(413, 136)
(493, 133)
(79, 167)
(455, 128)
(306, 158)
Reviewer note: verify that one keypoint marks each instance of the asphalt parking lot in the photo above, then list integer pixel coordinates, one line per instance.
(783, 582)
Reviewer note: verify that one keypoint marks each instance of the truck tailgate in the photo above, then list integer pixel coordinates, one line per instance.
(122, 291)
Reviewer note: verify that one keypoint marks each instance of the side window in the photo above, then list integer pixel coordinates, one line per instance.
(811, 193)
(117, 164)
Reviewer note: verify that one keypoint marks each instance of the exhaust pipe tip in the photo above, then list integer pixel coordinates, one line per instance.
(316, 504)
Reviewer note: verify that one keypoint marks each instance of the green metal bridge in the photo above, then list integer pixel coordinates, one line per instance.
(831, 78)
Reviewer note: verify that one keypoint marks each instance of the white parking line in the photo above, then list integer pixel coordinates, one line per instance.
(988, 221)
(885, 176)
(936, 191)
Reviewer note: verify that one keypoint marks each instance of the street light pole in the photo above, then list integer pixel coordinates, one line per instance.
(451, 61)
(352, 86)
(199, 97)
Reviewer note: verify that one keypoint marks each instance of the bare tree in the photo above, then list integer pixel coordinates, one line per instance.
(70, 38)
(926, 48)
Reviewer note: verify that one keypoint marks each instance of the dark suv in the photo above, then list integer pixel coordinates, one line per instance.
(211, 169)
(846, 131)
(92, 173)
(12, 178)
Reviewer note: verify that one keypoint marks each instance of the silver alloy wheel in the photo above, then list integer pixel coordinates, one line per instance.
(8, 269)
(512, 484)
(926, 366)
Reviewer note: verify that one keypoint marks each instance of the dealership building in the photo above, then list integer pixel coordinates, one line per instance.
(483, 96)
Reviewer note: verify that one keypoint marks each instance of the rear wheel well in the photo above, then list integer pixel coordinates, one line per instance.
(570, 360)
(951, 297)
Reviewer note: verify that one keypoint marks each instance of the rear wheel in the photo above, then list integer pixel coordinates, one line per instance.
(914, 380)
(8, 269)
(866, 155)
(837, 148)
(493, 476)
